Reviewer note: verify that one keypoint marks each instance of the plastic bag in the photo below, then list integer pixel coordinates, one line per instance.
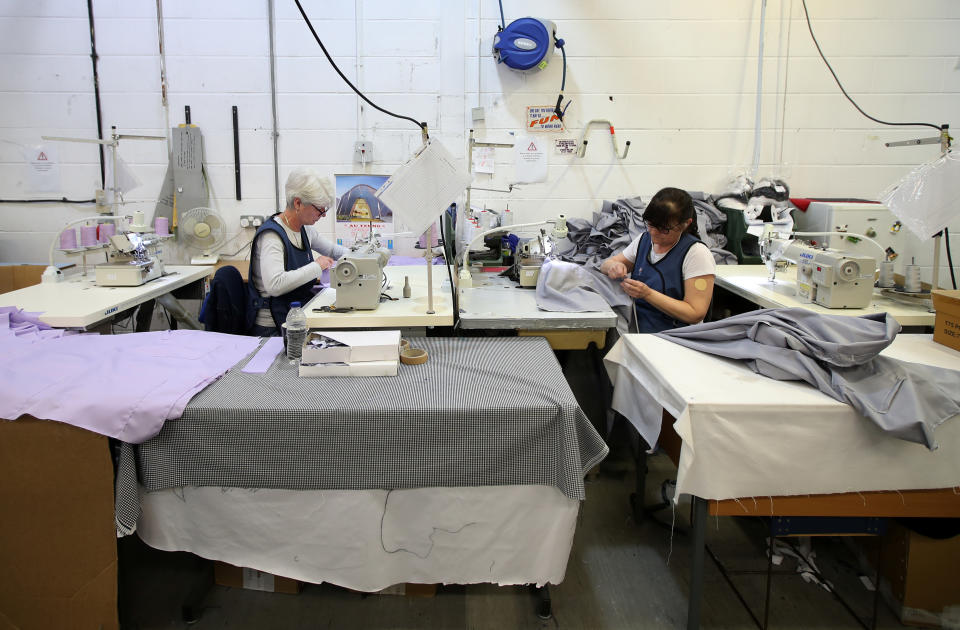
(927, 199)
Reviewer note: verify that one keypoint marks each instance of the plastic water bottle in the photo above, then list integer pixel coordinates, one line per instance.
(296, 331)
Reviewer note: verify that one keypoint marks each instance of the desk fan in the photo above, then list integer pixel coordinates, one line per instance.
(202, 229)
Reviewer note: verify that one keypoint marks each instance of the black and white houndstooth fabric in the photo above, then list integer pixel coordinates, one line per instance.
(480, 412)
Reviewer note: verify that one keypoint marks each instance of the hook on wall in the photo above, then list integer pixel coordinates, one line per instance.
(582, 144)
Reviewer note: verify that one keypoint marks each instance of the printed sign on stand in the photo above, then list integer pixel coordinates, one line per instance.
(543, 118)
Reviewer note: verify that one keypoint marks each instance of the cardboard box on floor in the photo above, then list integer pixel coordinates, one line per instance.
(242, 577)
(947, 328)
(58, 541)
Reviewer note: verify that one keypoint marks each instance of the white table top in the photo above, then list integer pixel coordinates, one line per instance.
(403, 313)
(78, 302)
(746, 435)
(751, 282)
(498, 303)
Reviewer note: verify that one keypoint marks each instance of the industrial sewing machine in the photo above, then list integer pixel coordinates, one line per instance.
(828, 277)
(132, 259)
(534, 252)
(358, 276)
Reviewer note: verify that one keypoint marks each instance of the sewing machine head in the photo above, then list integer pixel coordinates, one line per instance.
(358, 276)
(828, 277)
(132, 259)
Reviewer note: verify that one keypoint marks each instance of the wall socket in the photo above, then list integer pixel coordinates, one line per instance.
(251, 220)
(363, 151)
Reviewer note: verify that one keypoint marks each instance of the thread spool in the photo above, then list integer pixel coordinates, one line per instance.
(886, 274)
(106, 231)
(911, 279)
(88, 235)
(161, 225)
(68, 239)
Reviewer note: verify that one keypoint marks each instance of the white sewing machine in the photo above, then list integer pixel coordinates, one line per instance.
(358, 277)
(132, 259)
(827, 277)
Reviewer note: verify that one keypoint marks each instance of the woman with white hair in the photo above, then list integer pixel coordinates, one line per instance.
(283, 265)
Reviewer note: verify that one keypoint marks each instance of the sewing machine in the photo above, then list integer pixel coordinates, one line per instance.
(132, 259)
(534, 252)
(358, 277)
(828, 277)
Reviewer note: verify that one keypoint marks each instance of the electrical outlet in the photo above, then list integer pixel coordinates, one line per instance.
(363, 151)
(251, 220)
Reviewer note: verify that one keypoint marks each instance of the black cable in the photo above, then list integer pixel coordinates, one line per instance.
(946, 239)
(503, 23)
(60, 200)
(829, 67)
(96, 90)
(422, 125)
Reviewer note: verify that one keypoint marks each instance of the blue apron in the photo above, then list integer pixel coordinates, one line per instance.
(293, 258)
(665, 276)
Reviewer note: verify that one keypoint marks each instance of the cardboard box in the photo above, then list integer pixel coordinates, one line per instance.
(409, 589)
(351, 346)
(362, 368)
(242, 577)
(947, 328)
(13, 277)
(922, 576)
(58, 540)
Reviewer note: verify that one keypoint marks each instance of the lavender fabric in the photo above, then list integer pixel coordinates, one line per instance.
(15, 322)
(123, 386)
(262, 361)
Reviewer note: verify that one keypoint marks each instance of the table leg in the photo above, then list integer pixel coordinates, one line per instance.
(699, 524)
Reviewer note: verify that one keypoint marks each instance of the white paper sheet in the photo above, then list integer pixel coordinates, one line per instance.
(483, 160)
(43, 168)
(425, 186)
(530, 157)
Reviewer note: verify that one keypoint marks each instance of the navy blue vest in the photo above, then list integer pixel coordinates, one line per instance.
(293, 258)
(665, 276)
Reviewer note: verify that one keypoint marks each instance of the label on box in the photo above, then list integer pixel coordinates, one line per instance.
(258, 580)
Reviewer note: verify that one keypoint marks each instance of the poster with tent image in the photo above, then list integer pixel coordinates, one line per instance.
(358, 209)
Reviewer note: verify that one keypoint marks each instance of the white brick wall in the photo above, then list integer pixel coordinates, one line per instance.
(678, 79)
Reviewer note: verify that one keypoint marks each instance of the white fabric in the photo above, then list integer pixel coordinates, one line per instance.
(367, 540)
(268, 264)
(698, 262)
(745, 435)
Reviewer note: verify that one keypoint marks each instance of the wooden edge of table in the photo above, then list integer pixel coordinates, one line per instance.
(570, 339)
(935, 503)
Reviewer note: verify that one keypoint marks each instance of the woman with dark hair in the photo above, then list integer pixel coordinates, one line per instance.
(667, 270)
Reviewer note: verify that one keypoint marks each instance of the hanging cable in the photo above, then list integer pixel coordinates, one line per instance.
(829, 67)
(946, 240)
(422, 125)
(503, 23)
(563, 81)
(96, 91)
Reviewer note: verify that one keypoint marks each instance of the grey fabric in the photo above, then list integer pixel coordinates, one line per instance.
(481, 411)
(838, 355)
(567, 288)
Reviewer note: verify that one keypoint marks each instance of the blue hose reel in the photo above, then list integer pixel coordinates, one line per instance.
(526, 45)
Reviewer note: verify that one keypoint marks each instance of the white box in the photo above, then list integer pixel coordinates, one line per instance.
(361, 368)
(362, 345)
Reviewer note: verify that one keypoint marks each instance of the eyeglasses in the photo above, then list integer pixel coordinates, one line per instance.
(322, 210)
(662, 230)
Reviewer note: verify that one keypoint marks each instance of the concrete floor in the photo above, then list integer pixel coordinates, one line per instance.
(620, 575)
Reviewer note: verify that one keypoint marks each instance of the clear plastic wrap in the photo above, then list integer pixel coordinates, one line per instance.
(927, 199)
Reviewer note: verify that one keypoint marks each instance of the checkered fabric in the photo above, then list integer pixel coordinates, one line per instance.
(479, 412)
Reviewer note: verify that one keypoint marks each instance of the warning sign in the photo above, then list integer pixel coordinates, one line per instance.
(543, 118)
(43, 172)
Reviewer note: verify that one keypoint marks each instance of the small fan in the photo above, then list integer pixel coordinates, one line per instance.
(202, 229)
